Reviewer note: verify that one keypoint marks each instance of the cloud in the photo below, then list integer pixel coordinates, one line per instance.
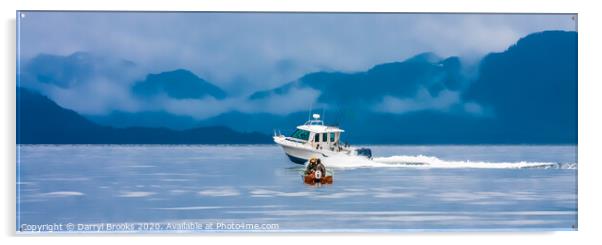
(92, 84)
(85, 82)
(445, 101)
(475, 108)
(422, 101)
(96, 96)
(245, 52)
(294, 100)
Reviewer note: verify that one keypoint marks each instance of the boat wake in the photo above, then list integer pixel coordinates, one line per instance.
(420, 161)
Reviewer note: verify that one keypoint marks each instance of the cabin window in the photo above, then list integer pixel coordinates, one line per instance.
(301, 134)
(316, 137)
(332, 137)
(324, 139)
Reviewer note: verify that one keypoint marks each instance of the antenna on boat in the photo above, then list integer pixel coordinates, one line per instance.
(309, 113)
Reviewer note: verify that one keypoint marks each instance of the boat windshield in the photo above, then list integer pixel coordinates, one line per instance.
(301, 134)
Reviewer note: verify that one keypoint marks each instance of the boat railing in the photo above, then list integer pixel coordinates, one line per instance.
(293, 139)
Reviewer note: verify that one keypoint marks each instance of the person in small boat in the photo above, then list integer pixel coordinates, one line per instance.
(314, 165)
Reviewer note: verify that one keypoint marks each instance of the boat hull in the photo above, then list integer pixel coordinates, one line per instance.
(310, 179)
(299, 155)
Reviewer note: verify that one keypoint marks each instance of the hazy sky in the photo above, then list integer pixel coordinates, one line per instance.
(245, 52)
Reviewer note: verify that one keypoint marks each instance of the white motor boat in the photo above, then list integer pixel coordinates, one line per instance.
(314, 139)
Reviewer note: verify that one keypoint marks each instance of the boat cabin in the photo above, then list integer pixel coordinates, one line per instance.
(318, 135)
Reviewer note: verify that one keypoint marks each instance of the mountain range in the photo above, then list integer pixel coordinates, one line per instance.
(526, 94)
(41, 121)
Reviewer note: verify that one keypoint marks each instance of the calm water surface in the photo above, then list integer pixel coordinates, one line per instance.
(402, 188)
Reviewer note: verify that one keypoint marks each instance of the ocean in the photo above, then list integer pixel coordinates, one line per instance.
(255, 188)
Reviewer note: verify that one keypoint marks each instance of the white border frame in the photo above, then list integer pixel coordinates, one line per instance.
(589, 113)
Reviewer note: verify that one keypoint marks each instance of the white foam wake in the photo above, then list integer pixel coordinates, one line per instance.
(421, 161)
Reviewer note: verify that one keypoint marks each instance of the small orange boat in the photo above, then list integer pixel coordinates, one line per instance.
(317, 178)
